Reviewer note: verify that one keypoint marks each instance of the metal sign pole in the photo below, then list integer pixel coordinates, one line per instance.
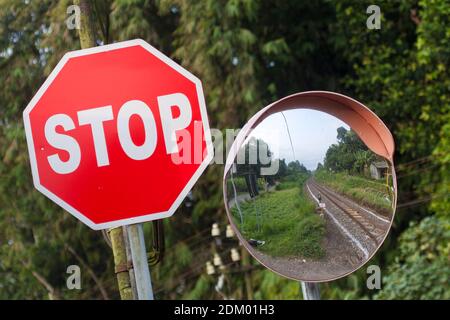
(310, 290)
(140, 263)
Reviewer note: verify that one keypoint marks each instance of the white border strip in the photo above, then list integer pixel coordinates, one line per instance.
(374, 214)
(142, 218)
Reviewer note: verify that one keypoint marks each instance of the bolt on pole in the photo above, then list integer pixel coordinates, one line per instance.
(140, 264)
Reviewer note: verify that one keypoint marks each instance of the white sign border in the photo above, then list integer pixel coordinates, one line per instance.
(141, 218)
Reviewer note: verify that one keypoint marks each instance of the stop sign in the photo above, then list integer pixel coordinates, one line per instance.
(118, 134)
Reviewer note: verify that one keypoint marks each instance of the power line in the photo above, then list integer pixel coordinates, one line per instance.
(186, 240)
(289, 134)
(190, 245)
(421, 200)
(415, 161)
(184, 277)
(193, 251)
(194, 270)
(421, 159)
(193, 236)
(417, 171)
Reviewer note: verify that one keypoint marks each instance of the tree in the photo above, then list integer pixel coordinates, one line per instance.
(251, 158)
(282, 168)
(295, 167)
(319, 166)
(350, 154)
(363, 158)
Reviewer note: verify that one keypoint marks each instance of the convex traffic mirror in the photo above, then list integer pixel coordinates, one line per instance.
(309, 185)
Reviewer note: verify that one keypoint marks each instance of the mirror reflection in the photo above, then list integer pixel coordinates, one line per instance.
(309, 198)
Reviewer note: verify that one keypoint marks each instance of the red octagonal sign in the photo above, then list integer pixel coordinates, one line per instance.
(118, 134)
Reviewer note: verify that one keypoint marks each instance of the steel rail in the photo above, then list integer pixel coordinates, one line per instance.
(346, 209)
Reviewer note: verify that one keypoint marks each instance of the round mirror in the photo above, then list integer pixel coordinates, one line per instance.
(309, 186)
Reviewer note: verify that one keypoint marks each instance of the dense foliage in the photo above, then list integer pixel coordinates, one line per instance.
(349, 154)
(247, 53)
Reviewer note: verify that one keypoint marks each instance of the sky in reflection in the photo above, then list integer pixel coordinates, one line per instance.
(312, 132)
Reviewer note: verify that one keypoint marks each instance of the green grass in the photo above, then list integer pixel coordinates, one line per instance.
(286, 185)
(288, 222)
(371, 193)
(292, 181)
(241, 186)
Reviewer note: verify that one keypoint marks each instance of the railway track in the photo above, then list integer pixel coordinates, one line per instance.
(357, 215)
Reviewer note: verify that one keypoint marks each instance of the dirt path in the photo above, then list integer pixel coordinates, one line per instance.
(342, 253)
(340, 258)
(347, 242)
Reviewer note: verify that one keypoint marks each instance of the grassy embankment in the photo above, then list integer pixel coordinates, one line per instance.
(288, 222)
(367, 192)
(241, 186)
